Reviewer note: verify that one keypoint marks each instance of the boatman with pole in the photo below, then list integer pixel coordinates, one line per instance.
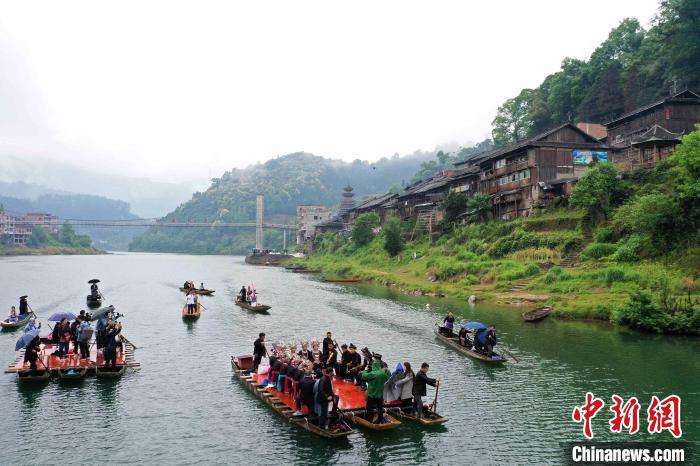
(259, 351)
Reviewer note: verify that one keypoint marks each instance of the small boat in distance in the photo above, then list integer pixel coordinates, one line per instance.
(537, 314)
(7, 325)
(191, 316)
(250, 307)
(199, 291)
(341, 280)
(453, 342)
(306, 271)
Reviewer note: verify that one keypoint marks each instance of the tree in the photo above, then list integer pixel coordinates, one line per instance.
(393, 237)
(512, 121)
(454, 205)
(38, 238)
(480, 203)
(687, 155)
(66, 235)
(362, 232)
(598, 191)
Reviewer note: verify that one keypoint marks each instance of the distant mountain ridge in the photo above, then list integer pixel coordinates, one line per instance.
(286, 181)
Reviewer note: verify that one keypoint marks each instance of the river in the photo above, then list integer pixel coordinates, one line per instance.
(183, 406)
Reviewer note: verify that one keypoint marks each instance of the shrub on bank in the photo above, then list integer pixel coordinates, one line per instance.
(598, 250)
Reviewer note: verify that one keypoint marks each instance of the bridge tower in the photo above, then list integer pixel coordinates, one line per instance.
(259, 212)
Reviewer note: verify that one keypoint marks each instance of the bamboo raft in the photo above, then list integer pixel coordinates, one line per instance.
(49, 366)
(537, 314)
(341, 280)
(195, 315)
(258, 308)
(269, 397)
(453, 342)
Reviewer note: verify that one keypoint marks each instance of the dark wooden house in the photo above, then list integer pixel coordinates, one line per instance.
(529, 173)
(648, 134)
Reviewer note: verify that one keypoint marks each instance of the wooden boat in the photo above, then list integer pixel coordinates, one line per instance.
(341, 280)
(293, 267)
(195, 315)
(103, 373)
(33, 376)
(93, 300)
(6, 325)
(258, 308)
(204, 292)
(77, 373)
(537, 314)
(430, 418)
(362, 422)
(306, 271)
(240, 366)
(453, 342)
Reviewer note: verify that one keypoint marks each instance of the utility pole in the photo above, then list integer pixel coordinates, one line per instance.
(260, 205)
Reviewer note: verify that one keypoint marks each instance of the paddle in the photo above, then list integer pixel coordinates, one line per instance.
(511, 355)
(433, 405)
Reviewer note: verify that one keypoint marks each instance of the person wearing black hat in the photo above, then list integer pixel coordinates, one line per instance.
(366, 365)
(326, 341)
(23, 305)
(344, 359)
(354, 364)
(332, 357)
(325, 395)
(259, 351)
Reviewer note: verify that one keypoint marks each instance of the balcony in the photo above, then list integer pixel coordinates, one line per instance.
(509, 168)
(508, 186)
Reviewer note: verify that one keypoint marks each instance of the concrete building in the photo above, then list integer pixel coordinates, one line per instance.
(308, 217)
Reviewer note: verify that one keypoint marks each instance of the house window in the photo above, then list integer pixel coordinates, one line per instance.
(500, 163)
(315, 217)
(648, 154)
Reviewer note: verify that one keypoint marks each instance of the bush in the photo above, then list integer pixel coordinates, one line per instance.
(614, 274)
(598, 250)
(393, 237)
(632, 249)
(466, 256)
(603, 235)
(642, 311)
(471, 280)
(362, 232)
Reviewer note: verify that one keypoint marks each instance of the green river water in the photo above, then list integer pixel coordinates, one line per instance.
(184, 406)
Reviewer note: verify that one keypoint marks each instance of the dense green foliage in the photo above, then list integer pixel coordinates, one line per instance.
(362, 229)
(446, 161)
(631, 68)
(287, 182)
(66, 237)
(393, 236)
(598, 191)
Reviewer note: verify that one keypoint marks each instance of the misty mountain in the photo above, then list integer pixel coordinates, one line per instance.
(286, 181)
(37, 176)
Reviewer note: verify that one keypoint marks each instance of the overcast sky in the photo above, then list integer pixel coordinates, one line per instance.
(184, 90)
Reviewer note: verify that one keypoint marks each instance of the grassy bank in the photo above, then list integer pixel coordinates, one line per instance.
(520, 262)
(50, 250)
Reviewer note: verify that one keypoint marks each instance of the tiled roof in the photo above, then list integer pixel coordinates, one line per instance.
(681, 95)
(656, 133)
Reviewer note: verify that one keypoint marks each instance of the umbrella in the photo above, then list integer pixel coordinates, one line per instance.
(25, 339)
(475, 325)
(59, 316)
(94, 280)
(23, 297)
(102, 311)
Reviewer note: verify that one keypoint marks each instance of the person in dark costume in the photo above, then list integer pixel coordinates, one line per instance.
(110, 345)
(324, 348)
(419, 389)
(325, 395)
(259, 351)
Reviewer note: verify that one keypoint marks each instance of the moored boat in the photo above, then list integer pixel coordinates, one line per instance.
(392, 422)
(94, 300)
(306, 271)
(250, 307)
(537, 314)
(192, 315)
(341, 280)
(242, 364)
(453, 342)
(7, 325)
(429, 418)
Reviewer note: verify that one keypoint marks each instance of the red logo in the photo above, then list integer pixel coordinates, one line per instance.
(587, 412)
(626, 415)
(665, 415)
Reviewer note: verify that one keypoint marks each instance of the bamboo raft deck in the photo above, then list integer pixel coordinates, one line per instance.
(57, 367)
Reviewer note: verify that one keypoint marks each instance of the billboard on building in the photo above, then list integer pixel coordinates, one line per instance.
(585, 157)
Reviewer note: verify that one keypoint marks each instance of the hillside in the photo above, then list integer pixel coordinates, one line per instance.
(286, 181)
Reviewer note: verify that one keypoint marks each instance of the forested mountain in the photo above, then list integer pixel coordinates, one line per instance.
(631, 68)
(286, 181)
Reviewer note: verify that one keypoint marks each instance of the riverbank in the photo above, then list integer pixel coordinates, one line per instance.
(51, 251)
(547, 260)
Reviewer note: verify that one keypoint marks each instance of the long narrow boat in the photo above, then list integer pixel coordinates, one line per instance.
(93, 300)
(537, 314)
(7, 325)
(293, 267)
(341, 280)
(341, 429)
(28, 375)
(102, 372)
(429, 418)
(191, 316)
(453, 342)
(198, 291)
(358, 419)
(72, 373)
(258, 308)
(306, 271)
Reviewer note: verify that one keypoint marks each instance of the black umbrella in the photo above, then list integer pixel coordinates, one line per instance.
(94, 280)
(23, 297)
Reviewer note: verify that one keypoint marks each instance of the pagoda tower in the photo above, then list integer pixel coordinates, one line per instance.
(348, 201)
